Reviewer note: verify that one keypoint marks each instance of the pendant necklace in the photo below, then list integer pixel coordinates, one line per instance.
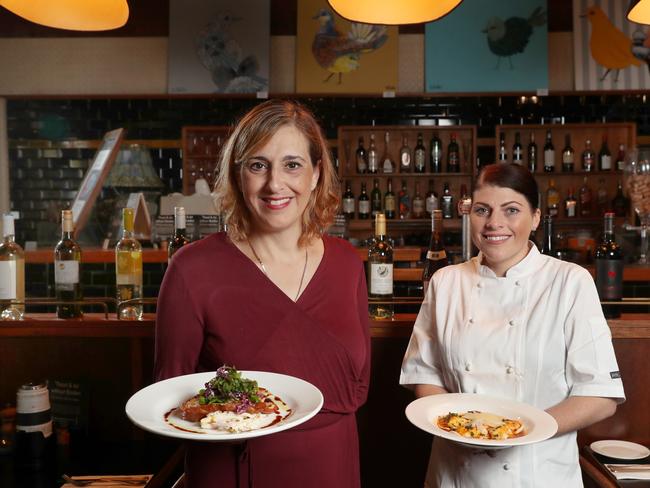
(304, 268)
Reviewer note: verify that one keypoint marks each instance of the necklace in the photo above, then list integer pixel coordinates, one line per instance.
(304, 268)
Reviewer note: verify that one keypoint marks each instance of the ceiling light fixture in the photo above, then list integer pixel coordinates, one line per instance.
(639, 11)
(393, 12)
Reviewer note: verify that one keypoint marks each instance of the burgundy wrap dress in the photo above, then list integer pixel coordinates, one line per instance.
(217, 307)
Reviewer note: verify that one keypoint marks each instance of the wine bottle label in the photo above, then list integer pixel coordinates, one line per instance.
(418, 207)
(549, 158)
(348, 205)
(381, 278)
(609, 278)
(361, 165)
(129, 268)
(571, 209)
(419, 160)
(8, 274)
(388, 166)
(431, 204)
(436, 255)
(517, 156)
(66, 274)
(364, 206)
(389, 203)
(606, 162)
(372, 163)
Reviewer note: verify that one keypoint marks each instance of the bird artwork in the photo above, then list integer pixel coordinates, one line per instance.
(231, 71)
(341, 53)
(509, 37)
(609, 46)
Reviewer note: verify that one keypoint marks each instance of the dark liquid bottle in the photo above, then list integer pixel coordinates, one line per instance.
(586, 199)
(180, 232)
(502, 157)
(420, 156)
(549, 153)
(453, 155)
(364, 203)
(362, 158)
(389, 201)
(620, 202)
(609, 268)
(348, 202)
(375, 198)
(532, 154)
(517, 150)
(436, 154)
(67, 270)
(570, 205)
(436, 254)
(567, 155)
(547, 244)
(447, 203)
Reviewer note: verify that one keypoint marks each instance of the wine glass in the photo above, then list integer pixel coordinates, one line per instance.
(637, 183)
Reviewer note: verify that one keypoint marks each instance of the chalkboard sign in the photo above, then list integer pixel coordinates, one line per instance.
(94, 179)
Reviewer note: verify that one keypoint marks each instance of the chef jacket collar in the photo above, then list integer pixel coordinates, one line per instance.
(530, 264)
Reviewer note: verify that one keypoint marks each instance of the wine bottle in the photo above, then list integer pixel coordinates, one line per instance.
(67, 270)
(619, 202)
(588, 157)
(362, 158)
(12, 272)
(517, 150)
(389, 201)
(567, 155)
(180, 233)
(447, 203)
(552, 199)
(431, 200)
(364, 203)
(349, 202)
(405, 162)
(418, 203)
(549, 153)
(503, 152)
(453, 155)
(605, 157)
(380, 272)
(547, 244)
(602, 199)
(373, 156)
(435, 154)
(387, 164)
(620, 158)
(420, 156)
(436, 254)
(532, 153)
(128, 268)
(404, 200)
(608, 258)
(586, 199)
(375, 198)
(570, 204)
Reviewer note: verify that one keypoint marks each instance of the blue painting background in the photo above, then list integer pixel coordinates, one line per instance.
(458, 57)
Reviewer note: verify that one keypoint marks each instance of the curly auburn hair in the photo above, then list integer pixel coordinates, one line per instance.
(252, 131)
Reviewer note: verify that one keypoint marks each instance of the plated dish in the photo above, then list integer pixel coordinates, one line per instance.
(173, 407)
(620, 449)
(524, 423)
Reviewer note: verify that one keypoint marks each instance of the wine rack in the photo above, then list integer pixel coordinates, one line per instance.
(201, 148)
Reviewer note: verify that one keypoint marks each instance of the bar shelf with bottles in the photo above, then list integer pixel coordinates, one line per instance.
(201, 146)
(587, 166)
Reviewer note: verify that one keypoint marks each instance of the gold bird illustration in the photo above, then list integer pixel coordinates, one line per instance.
(339, 53)
(609, 46)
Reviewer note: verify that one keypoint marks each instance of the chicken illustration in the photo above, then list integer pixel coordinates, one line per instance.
(609, 46)
(222, 56)
(339, 53)
(641, 46)
(508, 37)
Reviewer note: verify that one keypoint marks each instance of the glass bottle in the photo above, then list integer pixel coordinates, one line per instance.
(435, 154)
(604, 156)
(348, 201)
(552, 199)
(179, 239)
(620, 158)
(453, 155)
(586, 199)
(549, 153)
(517, 150)
(364, 203)
(404, 202)
(431, 200)
(373, 156)
(570, 204)
(602, 198)
(608, 258)
(547, 244)
(503, 152)
(420, 156)
(532, 153)
(567, 155)
(436, 254)
(389, 201)
(380, 272)
(405, 162)
(620, 203)
(67, 270)
(375, 198)
(588, 157)
(418, 203)
(387, 164)
(447, 202)
(128, 268)
(361, 157)
(12, 272)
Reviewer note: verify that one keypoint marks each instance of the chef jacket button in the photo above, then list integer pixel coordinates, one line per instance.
(517, 283)
(479, 285)
(468, 367)
(511, 322)
(510, 370)
(471, 320)
(506, 466)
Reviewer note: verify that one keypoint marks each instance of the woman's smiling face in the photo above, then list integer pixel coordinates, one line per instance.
(501, 223)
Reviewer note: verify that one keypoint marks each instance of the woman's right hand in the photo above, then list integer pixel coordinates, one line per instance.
(426, 390)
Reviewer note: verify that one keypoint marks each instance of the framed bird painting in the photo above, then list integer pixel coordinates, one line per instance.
(211, 49)
(610, 52)
(334, 55)
(487, 46)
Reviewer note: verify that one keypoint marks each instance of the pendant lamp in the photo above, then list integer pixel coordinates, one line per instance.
(80, 15)
(639, 11)
(393, 12)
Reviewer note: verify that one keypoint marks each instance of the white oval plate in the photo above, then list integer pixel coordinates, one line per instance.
(620, 449)
(147, 407)
(424, 413)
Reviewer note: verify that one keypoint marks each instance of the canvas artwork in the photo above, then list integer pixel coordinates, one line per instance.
(337, 56)
(219, 46)
(485, 46)
(610, 52)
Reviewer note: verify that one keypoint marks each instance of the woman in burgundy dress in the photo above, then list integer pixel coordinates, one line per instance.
(273, 294)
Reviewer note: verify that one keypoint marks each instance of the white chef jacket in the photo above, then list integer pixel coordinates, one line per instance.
(537, 335)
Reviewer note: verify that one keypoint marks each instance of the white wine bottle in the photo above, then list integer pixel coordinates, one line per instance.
(67, 270)
(12, 273)
(380, 272)
(128, 268)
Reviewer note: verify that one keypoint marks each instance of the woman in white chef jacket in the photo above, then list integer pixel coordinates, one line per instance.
(517, 324)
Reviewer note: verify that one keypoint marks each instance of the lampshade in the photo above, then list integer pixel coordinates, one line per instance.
(639, 11)
(81, 15)
(393, 12)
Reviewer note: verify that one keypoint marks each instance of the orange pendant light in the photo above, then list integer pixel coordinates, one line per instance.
(393, 12)
(639, 11)
(80, 15)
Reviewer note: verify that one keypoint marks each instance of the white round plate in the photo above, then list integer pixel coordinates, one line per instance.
(620, 449)
(147, 408)
(424, 413)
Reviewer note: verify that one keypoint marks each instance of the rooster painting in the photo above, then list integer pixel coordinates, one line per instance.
(341, 53)
(508, 37)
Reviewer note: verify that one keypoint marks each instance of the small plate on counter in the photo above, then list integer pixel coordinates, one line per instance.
(620, 449)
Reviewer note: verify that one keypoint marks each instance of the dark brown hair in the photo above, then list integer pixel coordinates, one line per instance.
(513, 176)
